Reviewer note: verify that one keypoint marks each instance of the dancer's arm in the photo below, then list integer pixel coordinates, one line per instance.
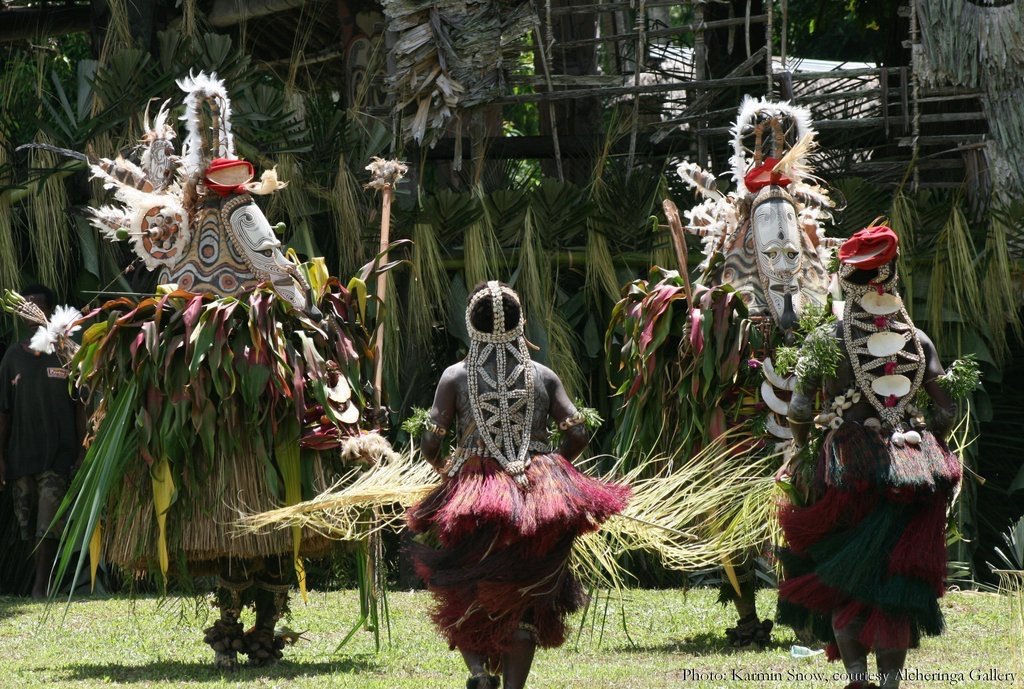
(442, 413)
(574, 435)
(945, 409)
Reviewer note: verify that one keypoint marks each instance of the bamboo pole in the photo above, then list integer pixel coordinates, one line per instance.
(384, 176)
(382, 285)
(552, 115)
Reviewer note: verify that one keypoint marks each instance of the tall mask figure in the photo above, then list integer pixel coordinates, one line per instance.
(766, 240)
(228, 391)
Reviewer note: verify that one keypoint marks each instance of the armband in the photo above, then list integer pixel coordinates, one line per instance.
(432, 427)
(574, 420)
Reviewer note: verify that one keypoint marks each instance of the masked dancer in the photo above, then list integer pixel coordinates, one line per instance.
(867, 553)
(494, 540)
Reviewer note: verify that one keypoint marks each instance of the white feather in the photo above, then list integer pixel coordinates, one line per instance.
(43, 341)
(64, 321)
(698, 178)
(109, 219)
(160, 125)
(200, 87)
(268, 184)
(749, 110)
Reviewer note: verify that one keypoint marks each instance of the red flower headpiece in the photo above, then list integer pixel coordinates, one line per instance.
(870, 248)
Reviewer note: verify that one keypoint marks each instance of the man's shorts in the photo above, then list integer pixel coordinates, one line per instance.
(36, 499)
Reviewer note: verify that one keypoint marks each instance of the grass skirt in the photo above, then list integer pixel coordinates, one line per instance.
(496, 557)
(871, 549)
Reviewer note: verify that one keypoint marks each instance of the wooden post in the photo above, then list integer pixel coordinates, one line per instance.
(770, 86)
(543, 46)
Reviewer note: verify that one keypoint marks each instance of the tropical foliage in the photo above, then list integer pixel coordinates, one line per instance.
(682, 363)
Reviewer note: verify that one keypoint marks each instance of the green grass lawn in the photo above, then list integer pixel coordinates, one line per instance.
(120, 642)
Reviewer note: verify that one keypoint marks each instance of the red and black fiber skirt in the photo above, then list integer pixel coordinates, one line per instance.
(496, 556)
(871, 549)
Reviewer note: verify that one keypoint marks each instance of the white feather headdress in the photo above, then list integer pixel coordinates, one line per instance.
(202, 87)
(751, 109)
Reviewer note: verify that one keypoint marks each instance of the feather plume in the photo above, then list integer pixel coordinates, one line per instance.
(59, 328)
(202, 87)
(109, 219)
(368, 448)
(42, 341)
(794, 164)
(58, 150)
(698, 178)
(119, 173)
(64, 320)
(159, 129)
(750, 110)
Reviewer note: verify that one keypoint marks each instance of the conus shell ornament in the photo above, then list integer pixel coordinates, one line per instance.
(881, 304)
(897, 385)
(885, 343)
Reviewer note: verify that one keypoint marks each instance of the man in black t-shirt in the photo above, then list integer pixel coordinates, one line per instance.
(41, 430)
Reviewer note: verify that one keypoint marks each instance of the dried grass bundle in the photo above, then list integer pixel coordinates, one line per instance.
(997, 287)
(361, 503)
(903, 219)
(536, 286)
(347, 214)
(601, 281)
(707, 507)
(483, 257)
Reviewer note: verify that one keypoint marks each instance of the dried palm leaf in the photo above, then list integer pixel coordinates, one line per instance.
(450, 56)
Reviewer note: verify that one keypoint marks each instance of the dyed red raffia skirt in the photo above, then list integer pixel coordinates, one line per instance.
(496, 557)
(871, 549)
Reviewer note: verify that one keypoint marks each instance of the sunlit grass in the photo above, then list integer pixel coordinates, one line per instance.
(672, 636)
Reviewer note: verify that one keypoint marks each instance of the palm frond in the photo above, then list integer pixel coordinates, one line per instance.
(10, 271)
(428, 286)
(49, 232)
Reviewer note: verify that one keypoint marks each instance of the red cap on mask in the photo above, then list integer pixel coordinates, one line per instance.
(870, 248)
(228, 175)
(764, 175)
